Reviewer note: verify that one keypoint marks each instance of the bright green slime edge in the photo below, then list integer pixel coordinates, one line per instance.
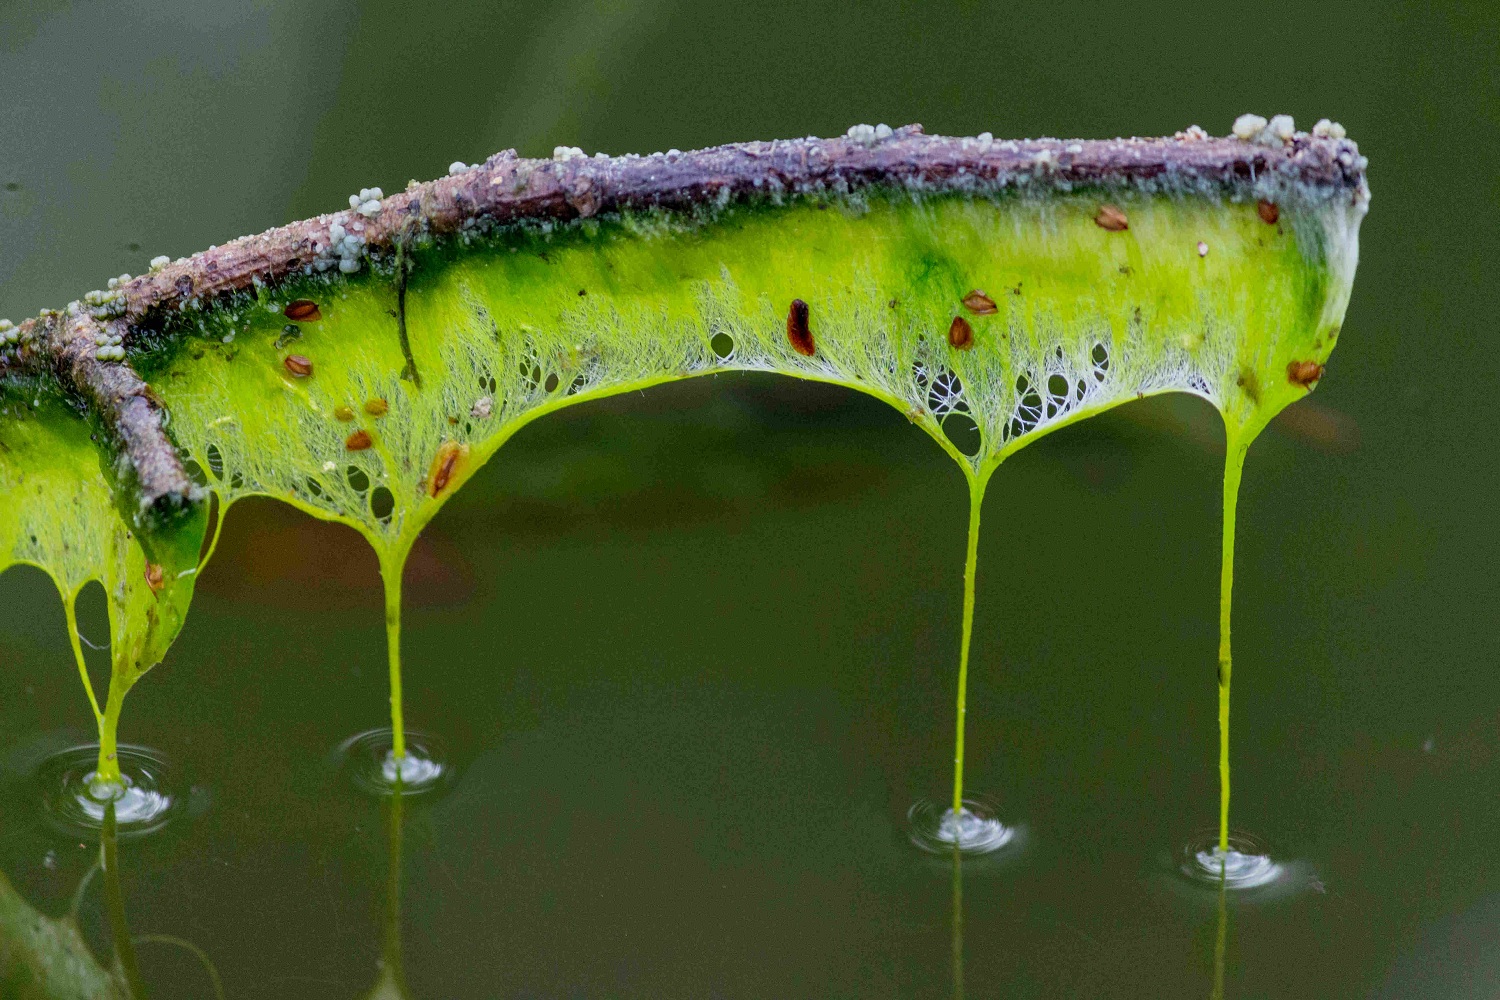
(1197, 295)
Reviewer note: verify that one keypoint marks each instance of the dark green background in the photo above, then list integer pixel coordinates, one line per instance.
(694, 650)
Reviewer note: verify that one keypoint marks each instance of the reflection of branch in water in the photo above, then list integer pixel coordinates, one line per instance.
(958, 924)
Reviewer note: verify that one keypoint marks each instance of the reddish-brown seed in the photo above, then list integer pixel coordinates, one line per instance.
(960, 334)
(797, 330)
(358, 441)
(1110, 217)
(344, 413)
(302, 311)
(1269, 213)
(980, 304)
(155, 578)
(1304, 373)
(298, 365)
(376, 407)
(445, 465)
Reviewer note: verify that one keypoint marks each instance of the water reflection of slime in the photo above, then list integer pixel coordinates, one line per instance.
(73, 798)
(975, 829)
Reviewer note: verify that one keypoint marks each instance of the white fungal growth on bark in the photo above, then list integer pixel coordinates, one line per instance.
(1247, 127)
(1326, 129)
(1278, 130)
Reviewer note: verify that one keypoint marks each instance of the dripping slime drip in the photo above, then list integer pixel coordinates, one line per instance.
(391, 568)
(969, 826)
(70, 615)
(1234, 463)
(971, 560)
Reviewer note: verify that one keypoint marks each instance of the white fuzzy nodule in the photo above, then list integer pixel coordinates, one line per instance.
(1247, 127)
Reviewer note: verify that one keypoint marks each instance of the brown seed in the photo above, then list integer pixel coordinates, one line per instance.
(797, 331)
(358, 441)
(344, 413)
(980, 304)
(155, 578)
(302, 311)
(445, 465)
(1304, 373)
(1269, 213)
(298, 365)
(1110, 217)
(960, 334)
(376, 407)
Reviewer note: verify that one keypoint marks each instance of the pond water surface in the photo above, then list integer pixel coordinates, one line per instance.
(689, 656)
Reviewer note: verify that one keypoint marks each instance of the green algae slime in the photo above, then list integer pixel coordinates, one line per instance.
(62, 513)
(375, 407)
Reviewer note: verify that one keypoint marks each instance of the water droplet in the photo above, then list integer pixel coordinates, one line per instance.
(974, 829)
(73, 799)
(368, 761)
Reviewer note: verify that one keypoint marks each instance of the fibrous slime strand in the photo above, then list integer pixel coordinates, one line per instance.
(971, 560)
(391, 568)
(1236, 445)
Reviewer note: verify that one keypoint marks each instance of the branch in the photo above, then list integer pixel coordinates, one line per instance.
(128, 407)
(506, 189)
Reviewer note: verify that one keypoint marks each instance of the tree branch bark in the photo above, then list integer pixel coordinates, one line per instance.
(506, 189)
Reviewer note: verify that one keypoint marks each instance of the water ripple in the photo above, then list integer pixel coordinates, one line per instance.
(74, 800)
(974, 829)
(1246, 864)
(369, 762)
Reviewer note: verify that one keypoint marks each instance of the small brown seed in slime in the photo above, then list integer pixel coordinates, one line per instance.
(1111, 217)
(358, 441)
(960, 334)
(1304, 373)
(298, 365)
(445, 465)
(1269, 213)
(302, 311)
(376, 407)
(797, 330)
(980, 304)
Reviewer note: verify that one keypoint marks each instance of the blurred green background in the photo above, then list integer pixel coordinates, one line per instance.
(694, 650)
